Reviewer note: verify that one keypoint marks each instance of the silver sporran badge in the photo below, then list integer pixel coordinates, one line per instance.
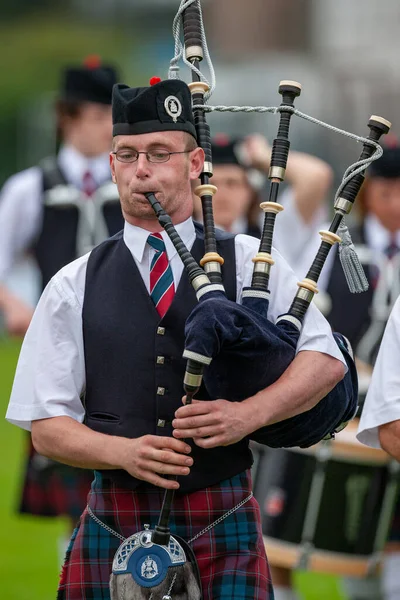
(173, 107)
(149, 568)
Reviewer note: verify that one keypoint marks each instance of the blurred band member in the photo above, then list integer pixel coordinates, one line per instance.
(240, 173)
(64, 206)
(380, 428)
(59, 210)
(380, 231)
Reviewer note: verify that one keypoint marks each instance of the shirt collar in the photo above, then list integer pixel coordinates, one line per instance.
(136, 238)
(74, 165)
(377, 236)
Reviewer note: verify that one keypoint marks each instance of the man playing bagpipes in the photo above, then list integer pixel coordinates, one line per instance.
(99, 378)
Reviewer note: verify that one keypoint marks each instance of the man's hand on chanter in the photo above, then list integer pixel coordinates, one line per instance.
(153, 456)
(213, 423)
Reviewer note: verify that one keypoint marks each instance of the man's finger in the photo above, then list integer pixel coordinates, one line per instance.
(201, 407)
(197, 432)
(172, 444)
(162, 468)
(160, 481)
(195, 421)
(172, 458)
(210, 442)
(193, 401)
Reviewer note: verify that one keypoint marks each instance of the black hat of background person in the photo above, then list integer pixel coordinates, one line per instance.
(229, 151)
(164, 106)
(91, 82)
(388, 165)
(225, 150)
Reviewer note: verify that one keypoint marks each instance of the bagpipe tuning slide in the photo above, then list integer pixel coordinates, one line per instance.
(198, 87)
(308, 284)
(211, 257)
(387, 124)
(272, 207)
(330, 237)
(288, 85)
(206, 189)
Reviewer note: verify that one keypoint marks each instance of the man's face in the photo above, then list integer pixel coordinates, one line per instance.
(383, 200)
(91, 130)
(170, 181)
(233, 198)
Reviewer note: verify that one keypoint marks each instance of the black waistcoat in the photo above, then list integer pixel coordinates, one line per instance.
(56, 244)
(350, 313)
(134, 364)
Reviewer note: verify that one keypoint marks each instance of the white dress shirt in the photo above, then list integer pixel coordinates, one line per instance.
(382, 404)
(50, 375)
(21, 203)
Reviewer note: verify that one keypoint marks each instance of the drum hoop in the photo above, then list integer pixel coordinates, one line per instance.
(289, 555)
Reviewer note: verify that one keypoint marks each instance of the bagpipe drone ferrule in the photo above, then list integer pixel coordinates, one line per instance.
(343, 205)
(192, 30)
(272, 207)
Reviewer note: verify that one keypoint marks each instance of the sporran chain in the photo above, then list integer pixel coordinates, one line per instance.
(193, 539)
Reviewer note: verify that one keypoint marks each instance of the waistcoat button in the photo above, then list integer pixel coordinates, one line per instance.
(160, 330)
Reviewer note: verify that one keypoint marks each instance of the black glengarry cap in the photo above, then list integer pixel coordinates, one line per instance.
(388, 165)
(164, 106)
(91, 82)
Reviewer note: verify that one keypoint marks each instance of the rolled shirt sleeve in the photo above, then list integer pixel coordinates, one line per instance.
(50, 375)
(382, 403)
(20, 215)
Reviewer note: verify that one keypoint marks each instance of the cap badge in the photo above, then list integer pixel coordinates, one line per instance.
(173, 107)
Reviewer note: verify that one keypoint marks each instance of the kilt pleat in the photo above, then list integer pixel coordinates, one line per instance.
(231, 556)
(51, 489)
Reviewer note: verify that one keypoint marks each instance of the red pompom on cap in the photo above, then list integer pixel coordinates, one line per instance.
(391, 141)
(93, 61)
(221, 139)
(154, 80)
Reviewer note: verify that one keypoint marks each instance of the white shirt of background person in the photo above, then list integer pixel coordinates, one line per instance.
(22, 195)
(382, 404)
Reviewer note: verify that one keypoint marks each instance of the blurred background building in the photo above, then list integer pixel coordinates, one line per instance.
(344, 54)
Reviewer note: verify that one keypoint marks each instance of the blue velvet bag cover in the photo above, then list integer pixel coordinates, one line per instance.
(249, 353)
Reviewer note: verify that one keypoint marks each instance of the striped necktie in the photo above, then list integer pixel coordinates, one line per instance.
(88, 184)
(162, 289)
(392, 249)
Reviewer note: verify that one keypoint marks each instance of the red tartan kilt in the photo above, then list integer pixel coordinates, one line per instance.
(51, 489)
(231, 556)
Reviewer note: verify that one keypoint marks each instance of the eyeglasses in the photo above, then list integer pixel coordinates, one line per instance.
(153, 156)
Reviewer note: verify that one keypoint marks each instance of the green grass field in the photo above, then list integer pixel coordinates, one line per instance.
(28, 546)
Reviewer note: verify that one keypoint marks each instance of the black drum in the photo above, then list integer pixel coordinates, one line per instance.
(327, 508)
